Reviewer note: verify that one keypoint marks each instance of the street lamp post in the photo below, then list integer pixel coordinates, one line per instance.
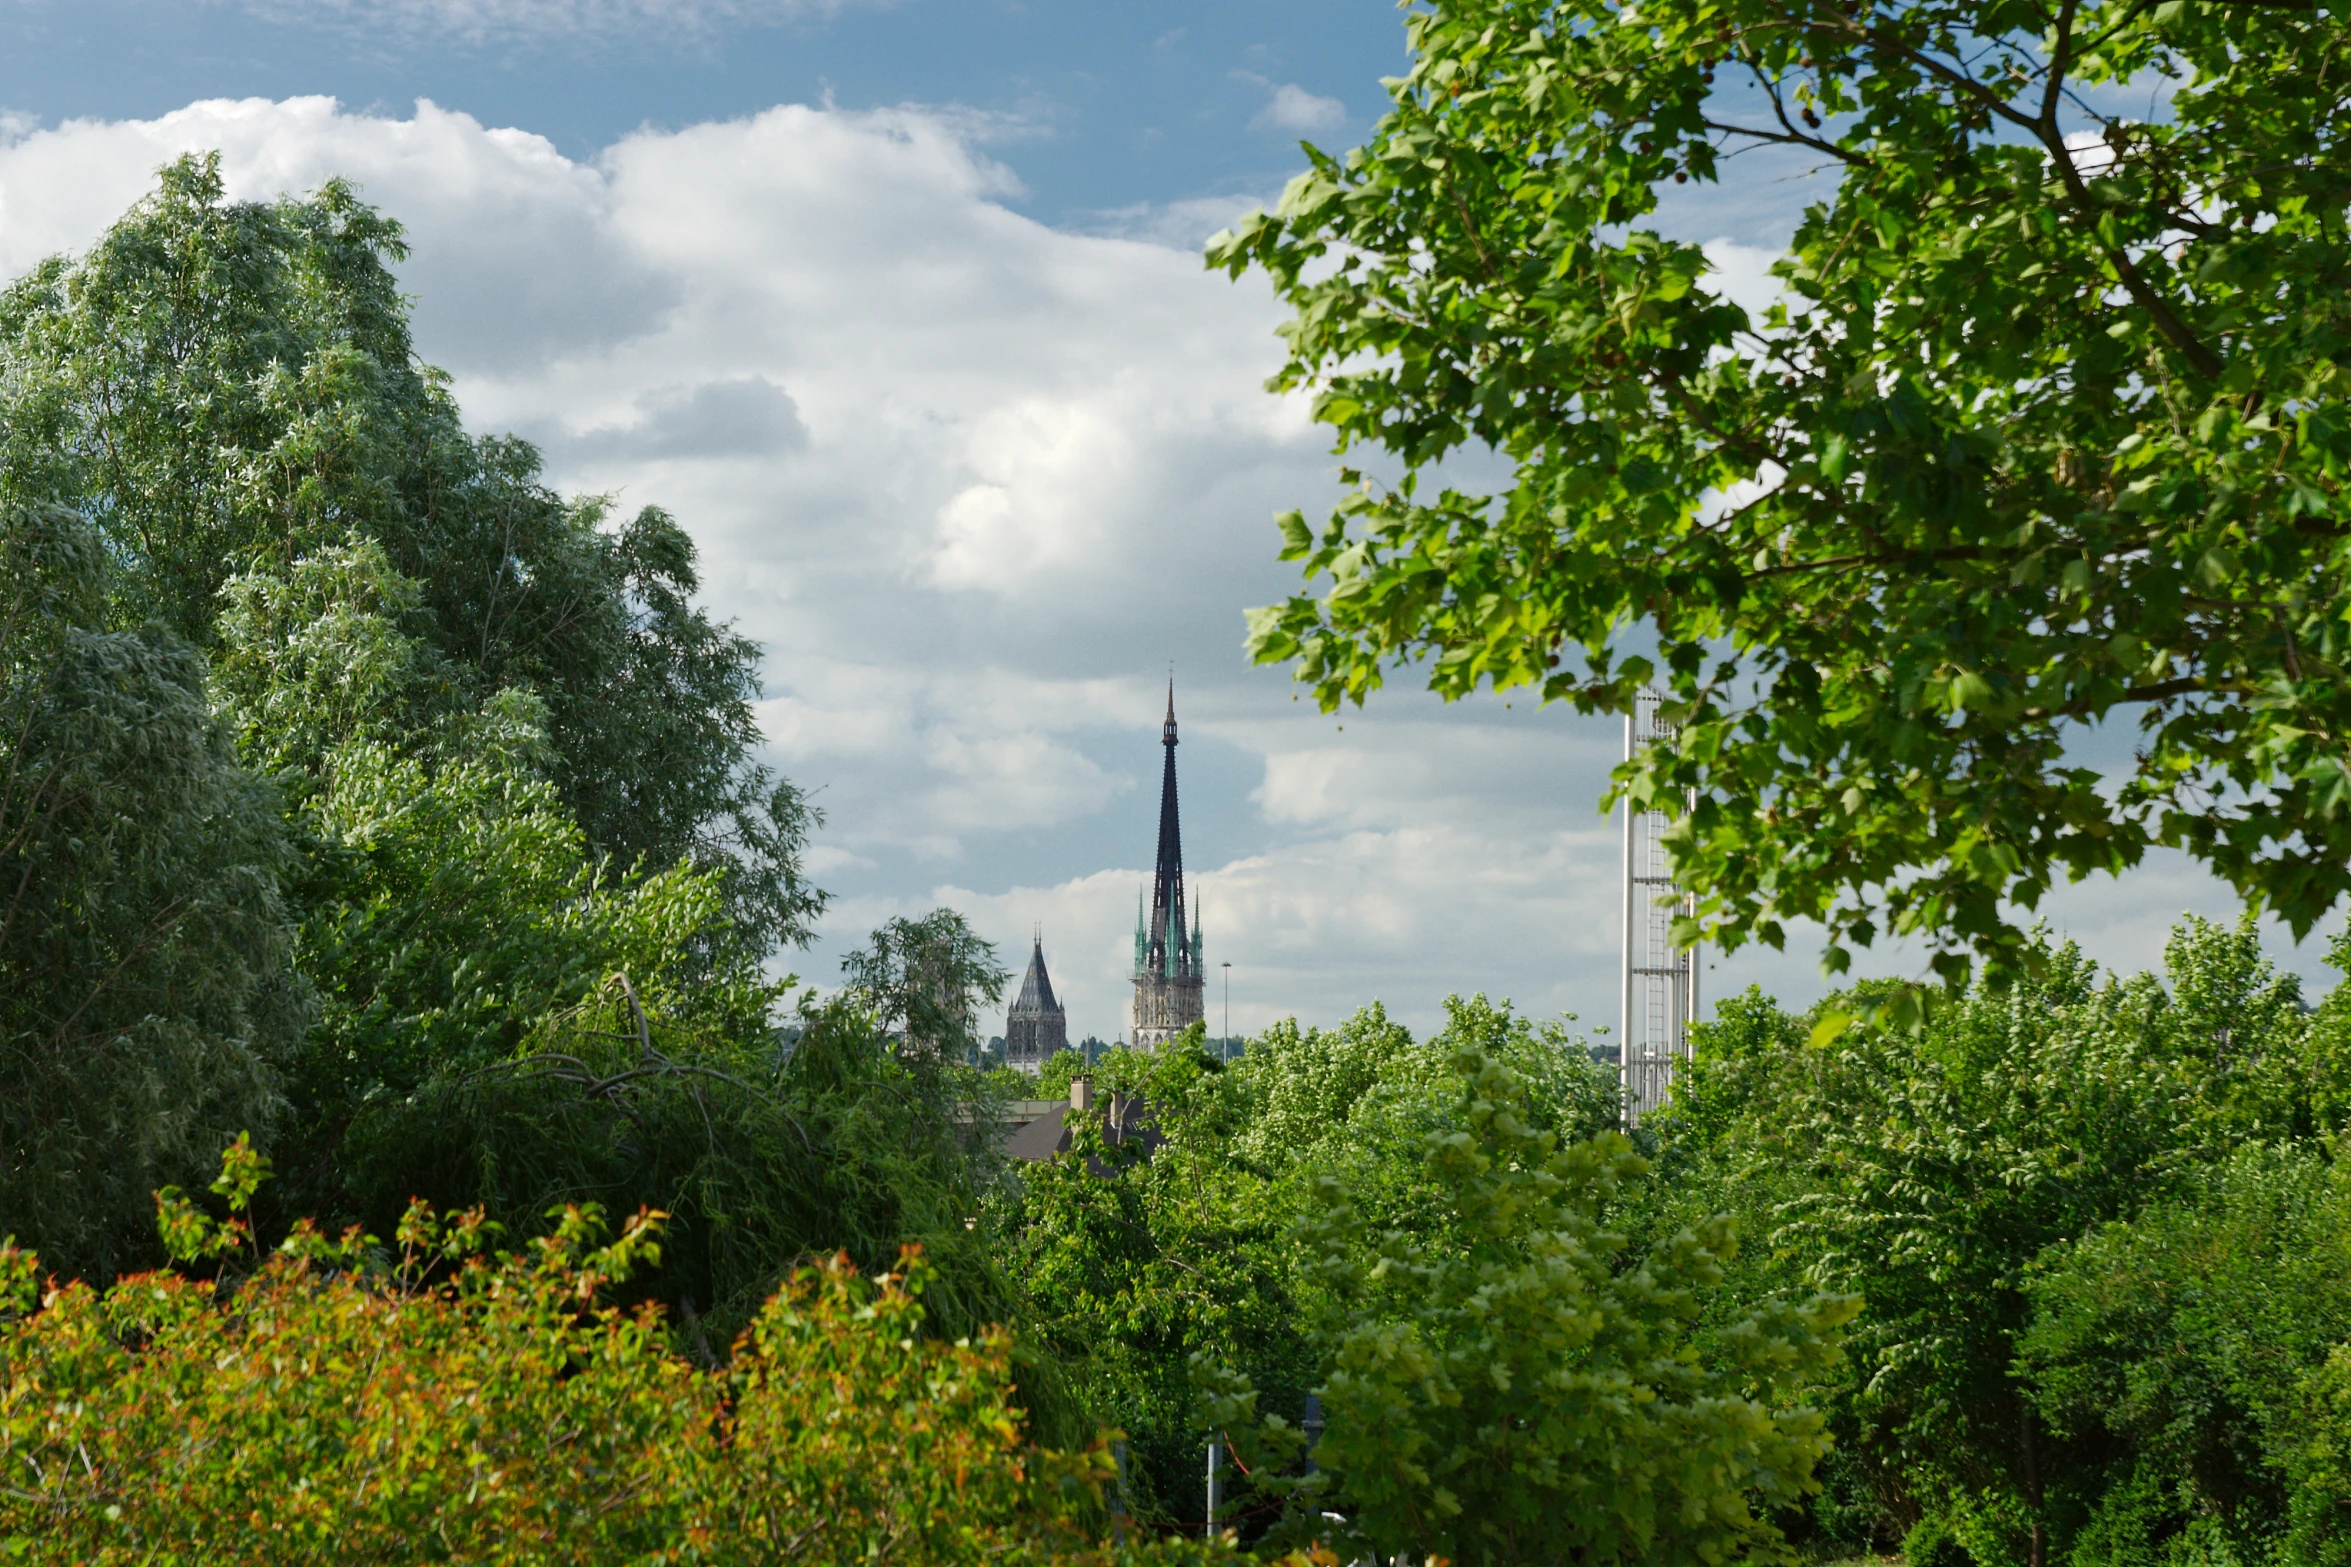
(1225, 1048)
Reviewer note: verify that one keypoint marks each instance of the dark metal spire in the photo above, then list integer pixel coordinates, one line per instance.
(1168, 952)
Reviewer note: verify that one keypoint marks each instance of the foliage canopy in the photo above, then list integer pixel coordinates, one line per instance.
(228, 390)
(449, 1402)
(2090, 1221)
(2048, 431)
(148, 996)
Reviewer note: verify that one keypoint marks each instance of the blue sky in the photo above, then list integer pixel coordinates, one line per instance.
(899, 308)
(1106, 105)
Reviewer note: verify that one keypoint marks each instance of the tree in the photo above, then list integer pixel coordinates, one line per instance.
(1138, 1253)
(1143, 1254)
(148, 1002)
(1940, 1173)
(1508, 1385)
(449, 903)
(927, 979)
(2048, 432)
(1307, 1082)
(228, 389)
(1060, 1069)
(760, 1159)
(2190, 1348)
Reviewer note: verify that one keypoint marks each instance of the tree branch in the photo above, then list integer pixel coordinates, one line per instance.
(1793, 138)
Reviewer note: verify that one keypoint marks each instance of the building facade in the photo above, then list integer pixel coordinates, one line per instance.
(1037, 1027)
(1170, 994)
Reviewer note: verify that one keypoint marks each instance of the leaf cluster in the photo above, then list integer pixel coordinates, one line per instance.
(2045, 434)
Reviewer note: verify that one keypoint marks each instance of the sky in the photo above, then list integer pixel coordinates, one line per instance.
(899, 309)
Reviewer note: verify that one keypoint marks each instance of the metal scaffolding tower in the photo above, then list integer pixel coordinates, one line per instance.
(1660, 979)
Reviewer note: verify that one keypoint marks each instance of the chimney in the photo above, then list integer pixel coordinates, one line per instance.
(1081, 1093)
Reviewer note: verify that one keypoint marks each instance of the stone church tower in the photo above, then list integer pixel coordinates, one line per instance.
(1169, 994)
(1037, 1026)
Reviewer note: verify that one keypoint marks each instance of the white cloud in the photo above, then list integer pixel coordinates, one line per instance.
(974, 482)
(1293, 108)
(1742, 274)
(2092, 154)
(1181, 225)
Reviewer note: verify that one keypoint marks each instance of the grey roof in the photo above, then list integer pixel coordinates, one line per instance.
(1036, 987)
(1041, 1138)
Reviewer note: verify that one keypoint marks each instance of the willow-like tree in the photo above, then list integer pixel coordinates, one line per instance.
(2047, 433)
(147, 992)
(228, 389)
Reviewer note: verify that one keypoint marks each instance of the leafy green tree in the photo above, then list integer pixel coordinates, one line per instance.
(1929, 1172)
(512, 1023)
(1060, 1069)
(1510, 1386)
(760, 1157)
(516, 758)
(229, 390)
(2318, 1463)
(2047, 433)
(2190, 1348)
(147, 999)
(1141, 1254)
(1365, 1092)
(1306, 1082)
(1138, 1252)
(2196, 1346)
(326, 654)
(457, 904)
(450, 903)
(926, 980)
(218, 383)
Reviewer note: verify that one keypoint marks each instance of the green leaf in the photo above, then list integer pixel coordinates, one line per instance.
(1831, 1026)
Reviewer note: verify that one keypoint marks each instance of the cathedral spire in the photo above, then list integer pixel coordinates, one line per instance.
(1167, 955)
(1167, 946)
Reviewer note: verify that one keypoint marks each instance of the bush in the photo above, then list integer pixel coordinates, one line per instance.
(340, 1405)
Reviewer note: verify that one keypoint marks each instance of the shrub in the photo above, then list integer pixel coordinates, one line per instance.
(337, 1403)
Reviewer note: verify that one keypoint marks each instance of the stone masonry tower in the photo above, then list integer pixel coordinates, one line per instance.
(1169, 995)
(1037, 1027)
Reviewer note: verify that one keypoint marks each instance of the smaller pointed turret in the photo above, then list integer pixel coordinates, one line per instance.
(1037, 1027)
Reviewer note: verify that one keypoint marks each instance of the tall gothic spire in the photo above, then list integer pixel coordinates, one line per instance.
(1168, 987)
(1165, 949)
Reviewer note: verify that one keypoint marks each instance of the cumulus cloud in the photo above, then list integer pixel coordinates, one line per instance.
(514, 263)
(974, 482)
(1182, 225)
(1319, 927)
(739, 416)
(1293, 108)
(1742, 274)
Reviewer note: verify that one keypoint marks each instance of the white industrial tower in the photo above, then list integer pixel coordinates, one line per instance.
(1660, 979)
